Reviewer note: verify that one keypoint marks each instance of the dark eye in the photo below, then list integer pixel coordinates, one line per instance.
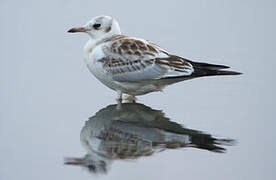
(96, 26)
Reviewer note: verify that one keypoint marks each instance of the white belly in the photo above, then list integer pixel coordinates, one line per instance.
(97, 70)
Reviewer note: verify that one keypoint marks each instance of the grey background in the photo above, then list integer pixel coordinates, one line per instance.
(47, 93)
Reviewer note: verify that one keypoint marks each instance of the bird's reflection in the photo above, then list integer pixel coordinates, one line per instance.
(134, 131)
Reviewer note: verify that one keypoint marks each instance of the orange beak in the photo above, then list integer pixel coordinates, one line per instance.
(77, 29)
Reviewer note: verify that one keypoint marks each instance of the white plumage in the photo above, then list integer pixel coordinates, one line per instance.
(135, 66)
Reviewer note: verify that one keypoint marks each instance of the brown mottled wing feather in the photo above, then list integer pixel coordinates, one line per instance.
(131, 59)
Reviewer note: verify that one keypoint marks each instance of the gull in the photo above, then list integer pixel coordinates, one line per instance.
(136, 131)
(135, 66)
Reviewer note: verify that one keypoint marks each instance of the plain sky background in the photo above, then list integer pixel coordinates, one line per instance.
(47, 93)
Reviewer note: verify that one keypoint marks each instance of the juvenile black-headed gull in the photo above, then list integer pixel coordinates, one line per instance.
(136, 131)
(136, 66)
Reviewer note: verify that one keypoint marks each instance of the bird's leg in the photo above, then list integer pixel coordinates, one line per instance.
(119, 99)
(130, 98)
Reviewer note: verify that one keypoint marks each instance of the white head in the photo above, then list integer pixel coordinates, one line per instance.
(99, 27)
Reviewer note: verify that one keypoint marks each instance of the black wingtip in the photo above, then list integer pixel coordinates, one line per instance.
(219, 72)
(217, 67)
(209, 66)
(207, 72)
(238, 73)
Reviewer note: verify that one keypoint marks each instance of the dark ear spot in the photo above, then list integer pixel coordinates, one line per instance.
(108, 29)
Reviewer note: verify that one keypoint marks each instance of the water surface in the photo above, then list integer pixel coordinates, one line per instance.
(47, 95)
(133, 131)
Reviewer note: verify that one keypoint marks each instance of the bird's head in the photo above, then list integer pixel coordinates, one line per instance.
(99, 27)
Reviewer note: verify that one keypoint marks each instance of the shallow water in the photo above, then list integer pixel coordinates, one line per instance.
(49, 100)
(133, 131)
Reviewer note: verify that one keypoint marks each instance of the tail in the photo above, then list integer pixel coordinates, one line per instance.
(200, 70)
(205, 69)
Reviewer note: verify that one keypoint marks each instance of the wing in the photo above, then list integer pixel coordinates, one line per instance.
(129, 59)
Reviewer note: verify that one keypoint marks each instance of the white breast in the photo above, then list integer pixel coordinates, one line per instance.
(92, 54)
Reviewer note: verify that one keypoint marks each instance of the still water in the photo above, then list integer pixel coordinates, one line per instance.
(58, 122)
(135, 131)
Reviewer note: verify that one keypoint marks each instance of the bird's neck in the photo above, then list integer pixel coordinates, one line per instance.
(92, 43)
